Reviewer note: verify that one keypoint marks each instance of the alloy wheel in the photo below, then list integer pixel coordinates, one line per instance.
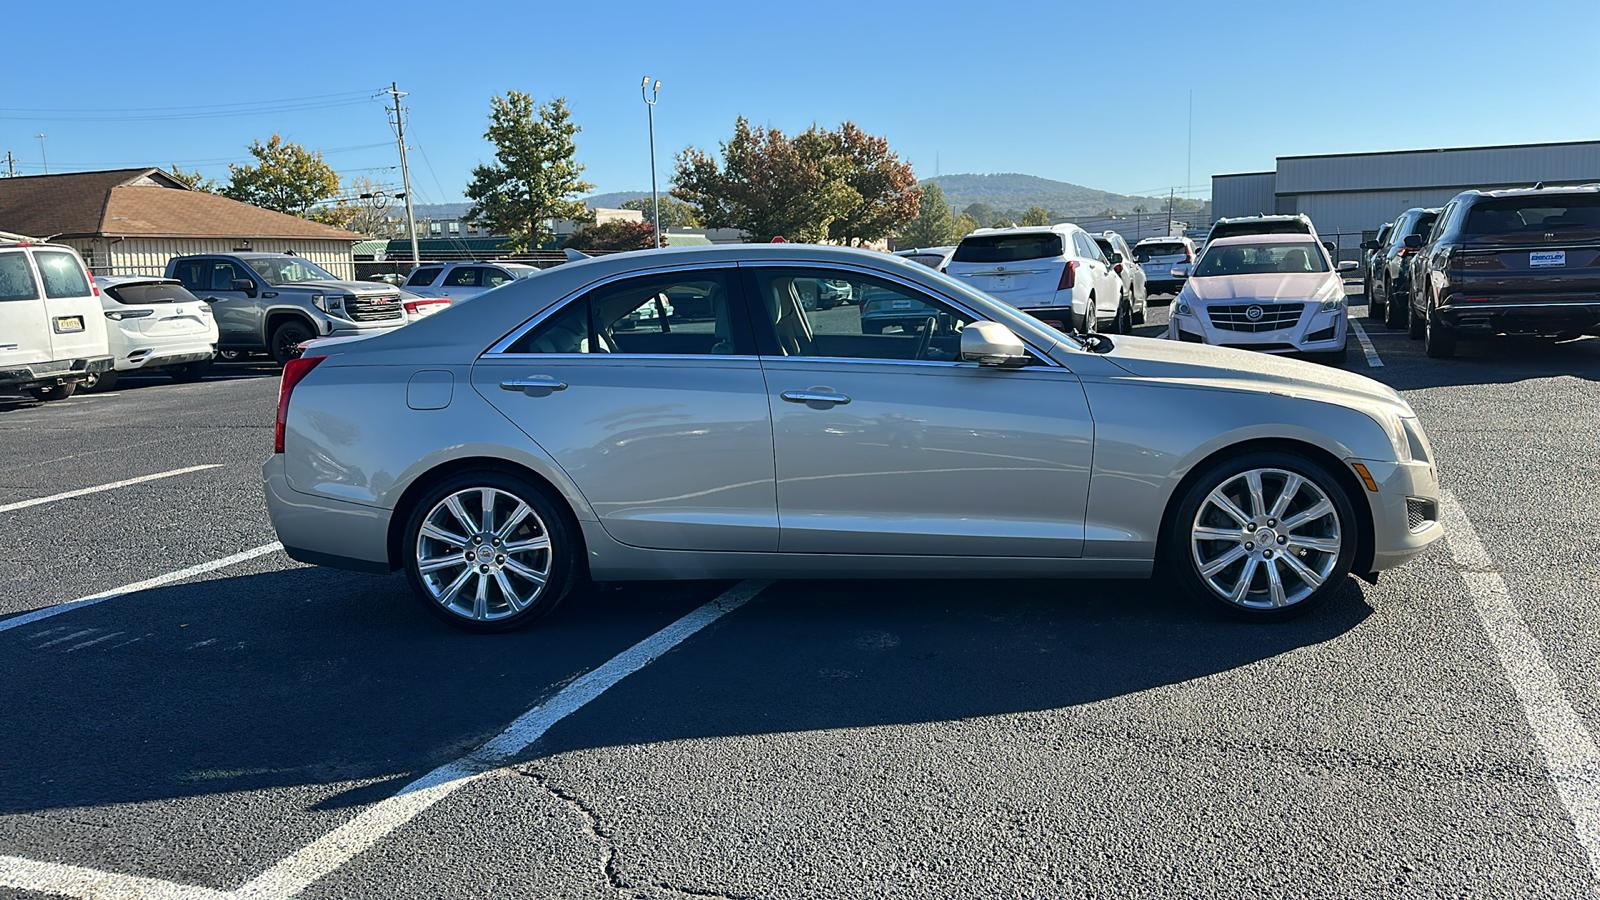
(1266, 538)
(483, 554)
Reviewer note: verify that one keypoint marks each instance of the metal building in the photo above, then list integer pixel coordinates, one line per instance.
(1351, 194)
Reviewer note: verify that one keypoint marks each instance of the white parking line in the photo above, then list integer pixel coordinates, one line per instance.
(1570, 755)
(1366, 345)
(23, 504)
(325, 855)
(158, 581)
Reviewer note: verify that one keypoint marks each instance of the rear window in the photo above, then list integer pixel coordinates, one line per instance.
(1535, 215)
(16, 280)
(1004, 248)
(1234, 229)
(423, 277)
(1147, 252)
(141, 294)
(63, 275)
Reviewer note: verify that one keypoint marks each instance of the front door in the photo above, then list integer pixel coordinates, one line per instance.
(659, 419)
(886, 443)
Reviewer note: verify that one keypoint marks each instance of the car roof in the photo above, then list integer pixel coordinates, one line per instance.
(1173, 239)
(1058, 228)
(1262, 239)
(1277, 217)
(1539, 190)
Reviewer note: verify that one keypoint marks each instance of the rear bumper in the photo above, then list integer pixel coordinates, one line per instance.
(1522, 316)
(59, 371)
(166, 356)
(1162, 285)
(322, 531)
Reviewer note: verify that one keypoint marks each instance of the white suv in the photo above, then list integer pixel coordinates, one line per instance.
(52, 331)
(464, 280)
(154, 323)
(1056, 274)
(1157, 256)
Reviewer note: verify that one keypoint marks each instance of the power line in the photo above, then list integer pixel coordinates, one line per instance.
(122, 116)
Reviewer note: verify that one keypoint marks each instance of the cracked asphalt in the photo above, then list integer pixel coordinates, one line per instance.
(828, 739)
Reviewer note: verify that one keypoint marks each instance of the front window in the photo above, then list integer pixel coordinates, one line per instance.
(462, 276)
(891, 322)
(63, 275)
(1535, 215)
(1005, 248)
(1261, 259)
(288, 270)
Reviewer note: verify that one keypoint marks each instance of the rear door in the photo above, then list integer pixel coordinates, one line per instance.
(77, 321)
(24, 324)
(239, 319)
(663, 426)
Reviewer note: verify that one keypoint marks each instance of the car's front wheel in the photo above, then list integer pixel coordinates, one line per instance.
(1263, 536)
(489, 552)
(101, 381)
(286, 340)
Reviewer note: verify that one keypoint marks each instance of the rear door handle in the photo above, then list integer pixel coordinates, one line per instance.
(816, 399)
(534, 385)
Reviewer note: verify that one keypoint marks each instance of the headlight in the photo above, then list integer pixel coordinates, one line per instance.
(320, 302)
(1396, 431)
(1182, 308)
(1335, 302)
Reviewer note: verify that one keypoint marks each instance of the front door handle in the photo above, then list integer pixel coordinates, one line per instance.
(534, 385)
(816, 399)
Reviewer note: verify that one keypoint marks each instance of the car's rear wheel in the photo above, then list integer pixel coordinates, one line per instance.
(1124, 323)
(1438, 340)
(1395, 313)
(489, 552)
(1263, 536)
(1375, 310)
(101, 381)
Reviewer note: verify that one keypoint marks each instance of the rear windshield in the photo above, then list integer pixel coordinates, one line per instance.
(63, 276)
(1106, 247)
(1262, 259)
(1282, 226)
(1003, 248)
(1147, 252)
(1535, 215)
(1423, 224)
(16, 279)
(140, 294)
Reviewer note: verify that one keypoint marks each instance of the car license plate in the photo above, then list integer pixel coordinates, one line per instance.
(1000, 282)
(900, 304)
(1543, 258)
(68, 324)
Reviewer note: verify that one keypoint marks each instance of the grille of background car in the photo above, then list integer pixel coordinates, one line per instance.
(1273, 316)
(373, 309)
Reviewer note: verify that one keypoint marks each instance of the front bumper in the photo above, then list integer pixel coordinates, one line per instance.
(59, 371)
(1405, 510)
(332, 327)
(1315, 332)
(1499, 315)
(323, 531)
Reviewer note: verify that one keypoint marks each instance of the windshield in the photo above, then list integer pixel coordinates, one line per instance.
(288, 269)
(1147, 252)
(149, 292)
(1262, 259)
(1004, 248)
(1535, 215)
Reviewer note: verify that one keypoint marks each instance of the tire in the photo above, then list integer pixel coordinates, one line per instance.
(1124, 320)
(1375, 311)
(103, 381)
(1394, 314)
(1438, 340)
(231, 355)
(1139, 315)
(190, 372)
(286, 339)
(535, 518)
(1317, 570)
(1415, 327)
(53, 392)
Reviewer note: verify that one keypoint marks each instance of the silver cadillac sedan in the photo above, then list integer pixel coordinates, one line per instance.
(504, 451)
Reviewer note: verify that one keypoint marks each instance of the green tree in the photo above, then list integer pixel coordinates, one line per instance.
(963, 225)
(1108, 212)
(535, 174)
(841, 185)
(674, 212)
(614, 235)
(1035, 216)
(982, 213)
(1141, 208)
(286, 178)
(194, 180)
(933, 226)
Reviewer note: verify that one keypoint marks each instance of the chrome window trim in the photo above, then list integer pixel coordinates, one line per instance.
(497, 350)
(610, 357)
(889, 276)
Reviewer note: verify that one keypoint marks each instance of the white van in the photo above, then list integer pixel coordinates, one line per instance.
(52, 329)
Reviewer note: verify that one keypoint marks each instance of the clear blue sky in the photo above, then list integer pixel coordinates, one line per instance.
(1095, 94)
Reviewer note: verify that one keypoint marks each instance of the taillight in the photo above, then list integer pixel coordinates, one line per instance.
(1069, 276)
(1186, 256)
(1117, 268)
(293, 371)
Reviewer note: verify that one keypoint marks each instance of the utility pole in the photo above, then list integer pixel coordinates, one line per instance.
(42, 156)
(650, 104)
(11, 165)
(405, 171)
(1171, 194)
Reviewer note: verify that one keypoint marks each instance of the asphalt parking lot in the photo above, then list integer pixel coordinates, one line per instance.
(272, 729)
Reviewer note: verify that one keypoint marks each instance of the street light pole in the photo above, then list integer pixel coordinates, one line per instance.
(650, 104)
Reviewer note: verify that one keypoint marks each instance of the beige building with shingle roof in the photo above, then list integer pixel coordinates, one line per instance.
(131, 221)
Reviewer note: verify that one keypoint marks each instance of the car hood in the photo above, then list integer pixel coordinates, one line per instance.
(1203, 365)
(1269, 287)
(359, 288)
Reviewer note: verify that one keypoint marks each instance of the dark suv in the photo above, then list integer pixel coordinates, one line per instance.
(1390, 294)
(1509, 262)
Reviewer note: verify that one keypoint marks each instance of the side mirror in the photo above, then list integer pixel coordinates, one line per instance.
(992, 344)
(1413, 242)
(1348, 266)
(243, 284)
(1116, 258)
(1331, 247)
(1180, 271)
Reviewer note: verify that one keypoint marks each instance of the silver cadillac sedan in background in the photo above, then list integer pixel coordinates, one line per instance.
(504, 451)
